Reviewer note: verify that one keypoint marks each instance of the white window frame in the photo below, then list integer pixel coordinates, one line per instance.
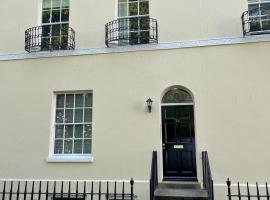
(67, 157)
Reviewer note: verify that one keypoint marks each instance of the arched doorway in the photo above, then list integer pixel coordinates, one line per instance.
(178, 135)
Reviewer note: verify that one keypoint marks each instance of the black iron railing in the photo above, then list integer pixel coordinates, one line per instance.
(256, 21)
(49, 38)
(65, 190)
(207, 176)
(131, 31)
(247, 192)
(154, 175)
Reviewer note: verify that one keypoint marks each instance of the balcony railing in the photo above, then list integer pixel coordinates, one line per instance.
(49, 38)
(256, 21)
(131, 31)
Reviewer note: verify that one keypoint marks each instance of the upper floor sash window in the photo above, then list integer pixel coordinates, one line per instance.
(55, 23)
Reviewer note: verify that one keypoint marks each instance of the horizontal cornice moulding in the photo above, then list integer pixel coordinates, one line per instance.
(135, 48)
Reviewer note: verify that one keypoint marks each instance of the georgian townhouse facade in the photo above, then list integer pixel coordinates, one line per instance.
(89, 89)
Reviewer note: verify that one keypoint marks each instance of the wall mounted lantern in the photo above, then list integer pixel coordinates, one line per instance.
(149, 104)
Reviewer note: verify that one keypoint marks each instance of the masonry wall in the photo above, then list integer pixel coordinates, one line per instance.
(230, 84)
(177, 20)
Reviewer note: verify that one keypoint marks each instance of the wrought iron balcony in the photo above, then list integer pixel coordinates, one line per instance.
(49, 38)
(256, 21)
(131, 31)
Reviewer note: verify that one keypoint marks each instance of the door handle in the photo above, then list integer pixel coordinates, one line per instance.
(178, 146)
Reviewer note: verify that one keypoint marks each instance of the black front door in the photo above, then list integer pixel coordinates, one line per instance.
(178, 143)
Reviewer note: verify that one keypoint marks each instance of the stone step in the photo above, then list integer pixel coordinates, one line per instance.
(180, 194)
(179, 185)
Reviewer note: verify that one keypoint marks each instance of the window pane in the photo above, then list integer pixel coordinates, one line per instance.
(88, 131)
(59, 131)
(79, 100)
(56, 3)
(56, 30)
(265, 9)
(64, 30)
(46, 4)
(78, 115)
(68, 147)
(134, 24)
(60, 101)
(122, 1)
(58, 146)
(266, 25)
(69, 116)
(253, 10)
(144, 37)
(144, 23)
(88, 100)
(122, 9)
(77, 146)
(65, 3)
(64, 15)
(46, 31)
(144, 8)
(46, 16)
(69, 131)
(133, 9)
(45, 44)
(78, 131)
(87, 146)
(55, 42)
(87, 115)
(55, 15)
(64, 43)
(70, 101)
(59, 116)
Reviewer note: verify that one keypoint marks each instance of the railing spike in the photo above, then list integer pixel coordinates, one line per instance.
(4, 191)
(248, 192)
(99, 190)
(18, 191)
(32, 192)
(267, 192)
(10, 192)
(54, 190)
(47, 190)
(107, 192)
(84, 190)
(69, 189)
(123, 191)
(25, 191)
(239, 191)
(92, 190)
(62, 186)
(77, 190)
(258, 192)
(131, 188)
(39, 191)
(115, 190)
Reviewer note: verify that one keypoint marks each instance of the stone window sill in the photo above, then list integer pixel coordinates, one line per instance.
(70, 159)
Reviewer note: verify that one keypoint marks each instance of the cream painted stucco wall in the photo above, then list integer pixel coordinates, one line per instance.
(230, 85)
(177, 20)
